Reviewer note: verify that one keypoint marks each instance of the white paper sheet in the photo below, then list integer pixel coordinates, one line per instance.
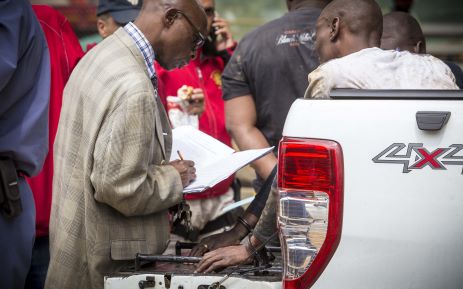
(210, 175)
(197, 146)
(214, 161)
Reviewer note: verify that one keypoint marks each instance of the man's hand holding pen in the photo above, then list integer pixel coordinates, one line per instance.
(185, 168)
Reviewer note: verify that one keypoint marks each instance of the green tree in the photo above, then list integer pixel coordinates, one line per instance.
(246, 15)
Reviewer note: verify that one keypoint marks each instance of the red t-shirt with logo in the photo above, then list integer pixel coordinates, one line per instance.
(203, 72)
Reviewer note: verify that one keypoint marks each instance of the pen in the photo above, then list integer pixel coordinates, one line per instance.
(180, 155)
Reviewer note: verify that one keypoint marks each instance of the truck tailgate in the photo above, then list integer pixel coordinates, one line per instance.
(403, 191)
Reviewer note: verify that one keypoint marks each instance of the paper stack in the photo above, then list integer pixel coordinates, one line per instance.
(214, 161)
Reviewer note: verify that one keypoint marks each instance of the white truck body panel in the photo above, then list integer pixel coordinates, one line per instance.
(400, 230)
(187, 282)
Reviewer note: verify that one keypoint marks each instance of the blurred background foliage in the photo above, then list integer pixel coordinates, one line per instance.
(245, 15)
(442, 20)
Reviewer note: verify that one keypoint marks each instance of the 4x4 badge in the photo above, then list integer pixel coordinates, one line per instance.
(415, 156)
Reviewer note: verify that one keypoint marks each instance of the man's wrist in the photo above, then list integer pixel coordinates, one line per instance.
(240, 231)
(254, 241)
(250, 249)
(245, 224)
(242, 227)
(232, 45)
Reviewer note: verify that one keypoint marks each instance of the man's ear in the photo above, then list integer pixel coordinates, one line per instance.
(101, 26)
(420, 47)
(170, 16)
(334, 27)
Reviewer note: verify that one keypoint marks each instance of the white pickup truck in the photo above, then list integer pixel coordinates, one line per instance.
(371, 196)
(380, 174)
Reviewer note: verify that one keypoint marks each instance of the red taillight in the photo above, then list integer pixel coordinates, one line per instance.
(310, 182)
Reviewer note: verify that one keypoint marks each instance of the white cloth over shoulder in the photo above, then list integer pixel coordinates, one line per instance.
(374, 68)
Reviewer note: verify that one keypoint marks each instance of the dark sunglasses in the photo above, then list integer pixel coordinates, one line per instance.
(210, 11)
(198, 39)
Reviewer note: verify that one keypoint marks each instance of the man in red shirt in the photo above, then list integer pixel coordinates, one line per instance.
(65, 52)
(204, 74)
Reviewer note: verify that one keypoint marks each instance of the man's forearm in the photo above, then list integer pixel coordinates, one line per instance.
(267, 223)
(241, 118)
(257, 205)
(252, 138)
(241, 229)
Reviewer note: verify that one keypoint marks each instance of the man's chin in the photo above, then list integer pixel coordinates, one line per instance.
(173, 65)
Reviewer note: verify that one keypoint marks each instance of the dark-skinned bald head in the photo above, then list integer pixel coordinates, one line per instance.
(403, 32)
(191, 7)
(174, 28)
(348, 26)
(360, 17)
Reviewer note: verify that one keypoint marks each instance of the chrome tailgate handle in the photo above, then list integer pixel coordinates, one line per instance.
(432, 120)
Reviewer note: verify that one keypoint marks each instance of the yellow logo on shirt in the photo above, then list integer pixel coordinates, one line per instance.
(216, 76)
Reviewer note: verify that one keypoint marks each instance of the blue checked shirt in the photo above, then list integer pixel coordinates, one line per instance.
(145, 48)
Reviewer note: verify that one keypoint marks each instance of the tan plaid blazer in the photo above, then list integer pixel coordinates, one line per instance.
(110, 190)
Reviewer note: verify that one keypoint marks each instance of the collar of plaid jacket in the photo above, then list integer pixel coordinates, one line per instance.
(144, 46)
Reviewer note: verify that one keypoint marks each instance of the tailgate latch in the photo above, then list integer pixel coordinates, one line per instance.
(148, 283)
(432, 120)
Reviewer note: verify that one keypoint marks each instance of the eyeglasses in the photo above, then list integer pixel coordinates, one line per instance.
(210, 11)
(198, 39)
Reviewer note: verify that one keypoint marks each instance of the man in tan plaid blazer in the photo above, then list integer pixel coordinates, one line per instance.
(112, 184)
